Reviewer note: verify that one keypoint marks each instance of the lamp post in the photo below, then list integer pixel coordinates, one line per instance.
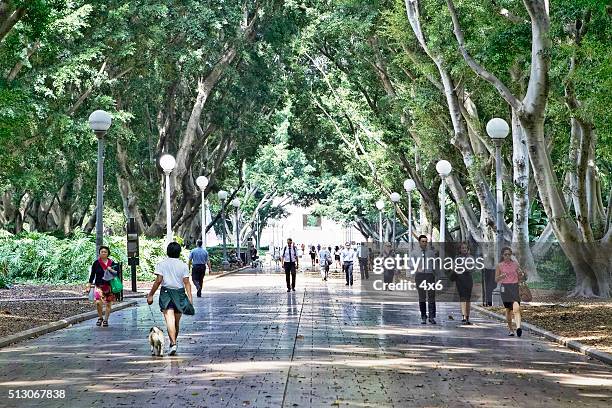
(395, 197)
(202, 182)
(222, 194)
(236, 203)
(380, 204)
(409, 186)
(443, 168)
(99, 122)
(258, 219)
(498, 129)
(167, 164)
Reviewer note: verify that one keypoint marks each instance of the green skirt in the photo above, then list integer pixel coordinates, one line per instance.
(175, 299)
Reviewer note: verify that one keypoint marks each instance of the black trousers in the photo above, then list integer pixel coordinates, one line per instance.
(197, 275)
(348, 272)
(363, 268)
(290, 271)
(489, 285)
(420, 277)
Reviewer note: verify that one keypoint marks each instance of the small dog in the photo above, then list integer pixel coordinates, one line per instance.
(156, 340)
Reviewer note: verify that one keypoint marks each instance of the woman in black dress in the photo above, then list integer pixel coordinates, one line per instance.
(313, 255)
(464, 281)
(337, 256)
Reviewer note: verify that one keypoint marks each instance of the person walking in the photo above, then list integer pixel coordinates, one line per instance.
(424, 278)
(508, 273)
(464, 282)
(313, 256)
(198, 261)
(363, 254)
(337, 257)
(388, 270)
(325, 260)
(101, 273)
(348, 256)
(175, 297)
(290, 264)
(488, 275)
(276, 257)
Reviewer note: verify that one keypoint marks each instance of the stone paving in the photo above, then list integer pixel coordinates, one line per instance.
(251, 344)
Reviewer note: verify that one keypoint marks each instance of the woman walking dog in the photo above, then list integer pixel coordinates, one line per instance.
(175, 297)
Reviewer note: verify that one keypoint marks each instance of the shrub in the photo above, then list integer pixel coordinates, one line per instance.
(34, 256)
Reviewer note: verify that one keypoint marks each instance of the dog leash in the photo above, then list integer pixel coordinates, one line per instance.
(152, 315)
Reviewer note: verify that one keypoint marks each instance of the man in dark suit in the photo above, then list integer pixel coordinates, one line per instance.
(290, 264)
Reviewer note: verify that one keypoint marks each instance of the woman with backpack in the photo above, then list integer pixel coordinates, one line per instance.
(325, 260)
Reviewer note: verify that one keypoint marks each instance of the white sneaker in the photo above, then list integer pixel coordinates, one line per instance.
(172, 350)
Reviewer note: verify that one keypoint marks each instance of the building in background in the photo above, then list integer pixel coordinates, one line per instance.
(308, 229)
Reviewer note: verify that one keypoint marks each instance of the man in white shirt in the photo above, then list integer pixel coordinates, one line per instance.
(425, 273)
(290, 264)
(347, 257)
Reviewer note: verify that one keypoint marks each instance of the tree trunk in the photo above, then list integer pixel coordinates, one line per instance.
(520, 220)
(129, 197)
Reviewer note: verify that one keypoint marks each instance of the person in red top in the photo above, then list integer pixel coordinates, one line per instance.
(508, 273)
(101, 273)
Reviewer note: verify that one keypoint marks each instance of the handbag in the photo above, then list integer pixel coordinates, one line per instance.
(116, 285)
(525, 293)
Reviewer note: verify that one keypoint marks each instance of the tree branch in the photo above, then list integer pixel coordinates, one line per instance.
(476, 67)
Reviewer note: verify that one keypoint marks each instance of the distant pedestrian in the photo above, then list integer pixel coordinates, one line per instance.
(388, 270)
(488, 276)
(198, 261)
(509, 273)
(464, 282)
(424, 278)
(313, 256)
(348, 257)
(363, 255)
(175, 297)
(337, 256)
(290, 264)
(101, 273)
(276, 256)
(325, 260)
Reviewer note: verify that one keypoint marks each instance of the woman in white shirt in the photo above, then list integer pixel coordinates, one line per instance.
(175, 297)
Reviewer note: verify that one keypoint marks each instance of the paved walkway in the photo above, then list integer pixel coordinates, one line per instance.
(252, 344)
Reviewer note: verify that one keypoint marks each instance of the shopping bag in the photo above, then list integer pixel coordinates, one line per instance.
(116, 285)
(92, 294)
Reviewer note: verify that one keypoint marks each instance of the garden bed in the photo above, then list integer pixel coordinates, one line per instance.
(19, 316)
(588, 322)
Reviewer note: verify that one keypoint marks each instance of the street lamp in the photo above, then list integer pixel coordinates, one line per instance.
(380, 204)
(222, 194)
(257, 243)
(202, 182)
(443, 168)
(395, 197)
(167, 164)
(498, 129)
(236, 203)
(409, 186)
(99, 122)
